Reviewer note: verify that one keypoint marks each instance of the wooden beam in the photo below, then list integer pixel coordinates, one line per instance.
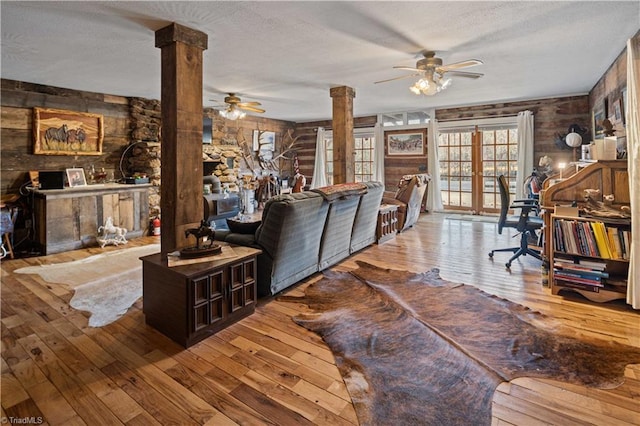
(181, 142)
(343, 140)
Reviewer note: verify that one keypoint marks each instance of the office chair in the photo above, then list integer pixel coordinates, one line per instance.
(527, 226)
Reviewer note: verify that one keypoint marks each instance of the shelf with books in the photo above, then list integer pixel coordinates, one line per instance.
(590, 256)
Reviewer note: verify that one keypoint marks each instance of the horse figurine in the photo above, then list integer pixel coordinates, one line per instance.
(110, 234)
(200, 233)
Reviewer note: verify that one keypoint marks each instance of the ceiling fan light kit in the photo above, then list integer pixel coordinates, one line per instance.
(431, 72)
(235, 107)
(430, 84)
(232, 113)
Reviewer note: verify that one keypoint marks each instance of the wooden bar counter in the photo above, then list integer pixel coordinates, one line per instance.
(68, 219)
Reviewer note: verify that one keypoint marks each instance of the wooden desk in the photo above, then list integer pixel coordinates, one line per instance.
(192, 302)
(611, 177)
(68, 219)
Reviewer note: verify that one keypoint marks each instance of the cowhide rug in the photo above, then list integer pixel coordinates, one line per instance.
(416, 349)
(106, 285)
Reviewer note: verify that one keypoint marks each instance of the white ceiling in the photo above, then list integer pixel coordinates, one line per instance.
(287, 55)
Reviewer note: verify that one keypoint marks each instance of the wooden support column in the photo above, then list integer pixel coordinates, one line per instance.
(343, 140)
(181, 142)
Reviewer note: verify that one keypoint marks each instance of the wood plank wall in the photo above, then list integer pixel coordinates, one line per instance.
(609, 89)
(18, 100)
(306, 145)
(551, 116)
(244, 128)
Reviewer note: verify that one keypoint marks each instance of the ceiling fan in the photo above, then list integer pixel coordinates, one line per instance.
(431, 72)
(235, 107)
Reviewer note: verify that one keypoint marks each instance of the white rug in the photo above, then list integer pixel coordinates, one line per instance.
(106, 285)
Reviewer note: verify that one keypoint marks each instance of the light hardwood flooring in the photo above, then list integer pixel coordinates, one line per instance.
(266, 369)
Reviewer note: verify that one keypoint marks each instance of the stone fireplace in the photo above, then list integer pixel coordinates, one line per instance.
(223, 161)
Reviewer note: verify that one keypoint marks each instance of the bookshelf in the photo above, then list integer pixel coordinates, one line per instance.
(590, 256)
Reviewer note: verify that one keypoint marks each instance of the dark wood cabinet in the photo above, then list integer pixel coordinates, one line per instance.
(387, 223)
(189, 303)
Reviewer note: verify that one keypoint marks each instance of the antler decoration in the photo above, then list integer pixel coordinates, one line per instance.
(246, 151)
(272, 164)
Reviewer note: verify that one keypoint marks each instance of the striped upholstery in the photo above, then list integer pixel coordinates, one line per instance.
(336, 237)
(302, 233)
(289, 236)
(364, 226)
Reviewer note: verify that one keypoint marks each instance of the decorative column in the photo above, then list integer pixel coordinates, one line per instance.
(181, 143)
(343, 140)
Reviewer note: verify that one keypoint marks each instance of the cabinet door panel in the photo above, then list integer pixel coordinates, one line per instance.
(200, 317)
(250, 271)
(237, 286)
(216, 284)
(216, 309)
(200, 290)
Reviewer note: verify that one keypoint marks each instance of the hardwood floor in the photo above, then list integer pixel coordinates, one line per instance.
(266, 369)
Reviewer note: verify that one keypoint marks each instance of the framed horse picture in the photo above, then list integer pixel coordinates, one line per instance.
(60, 132)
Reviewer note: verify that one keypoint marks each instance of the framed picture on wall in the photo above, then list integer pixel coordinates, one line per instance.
(264, 141)
(598, 115)
(618, 111)
(406, 143)
(61, 132)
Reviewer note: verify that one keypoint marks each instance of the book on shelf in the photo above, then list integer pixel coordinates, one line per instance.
(601, 239)
(579, 269)
(576, 285)
(595, 281)
(591, 264)
(627, 242)
(591, 238)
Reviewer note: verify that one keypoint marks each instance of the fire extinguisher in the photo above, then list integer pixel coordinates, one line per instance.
(156, 226)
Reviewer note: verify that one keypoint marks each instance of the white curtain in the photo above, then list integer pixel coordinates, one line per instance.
(319, 168)
(525, 151)
(434, 196)
(632, 116)
(378, 163)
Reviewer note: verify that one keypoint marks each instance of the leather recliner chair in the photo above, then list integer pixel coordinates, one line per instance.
(408, 197)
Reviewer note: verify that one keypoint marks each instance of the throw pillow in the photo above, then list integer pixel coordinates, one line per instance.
(239, 227)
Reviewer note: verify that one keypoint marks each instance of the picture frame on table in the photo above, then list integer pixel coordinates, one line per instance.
(406, 143)
(62, 132)
(76, 177)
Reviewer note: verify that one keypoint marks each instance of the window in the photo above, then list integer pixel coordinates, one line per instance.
(404, 118)
(364, 155)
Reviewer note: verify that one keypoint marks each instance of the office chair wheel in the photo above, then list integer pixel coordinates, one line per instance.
(490, 254)
(508, 265)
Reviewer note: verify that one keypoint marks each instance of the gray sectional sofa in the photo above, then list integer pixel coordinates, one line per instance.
(307, 232)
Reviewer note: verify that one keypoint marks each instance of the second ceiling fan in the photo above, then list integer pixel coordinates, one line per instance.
(235, 107)
(431, 71)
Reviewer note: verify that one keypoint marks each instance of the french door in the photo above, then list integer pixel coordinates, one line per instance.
(470, 160)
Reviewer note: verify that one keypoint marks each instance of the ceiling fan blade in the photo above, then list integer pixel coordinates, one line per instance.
(396, 78)
(465, 74)
(254, 103)
(400, 67)
(461, 64)
(251, 108)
